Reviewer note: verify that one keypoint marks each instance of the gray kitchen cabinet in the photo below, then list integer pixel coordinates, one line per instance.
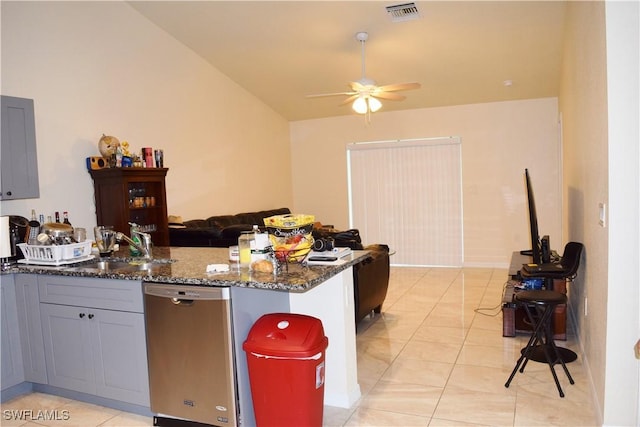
(18, 151)
(28, 302)
(94, 337)
(12, 367)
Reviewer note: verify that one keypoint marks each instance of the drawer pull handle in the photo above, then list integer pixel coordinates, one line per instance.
(81, 315)
(90, 316)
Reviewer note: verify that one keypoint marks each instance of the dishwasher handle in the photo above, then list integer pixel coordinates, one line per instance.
(180, 301)
(182, 292)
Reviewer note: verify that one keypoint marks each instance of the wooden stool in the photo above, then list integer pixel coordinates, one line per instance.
(539, 306)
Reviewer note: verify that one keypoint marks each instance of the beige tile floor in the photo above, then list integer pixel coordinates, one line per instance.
(431, 359)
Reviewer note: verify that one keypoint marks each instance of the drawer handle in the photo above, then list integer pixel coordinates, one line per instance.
(81, 315)
(90, 316)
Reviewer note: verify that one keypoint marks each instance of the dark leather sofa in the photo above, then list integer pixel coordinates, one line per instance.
(370, 277)
(219, 231)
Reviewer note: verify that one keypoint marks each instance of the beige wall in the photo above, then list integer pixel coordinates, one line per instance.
(583, 104)
(499, 140)
(601, 159)
(100, 67)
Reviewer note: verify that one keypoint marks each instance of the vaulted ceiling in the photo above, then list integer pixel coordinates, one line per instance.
(462, 52)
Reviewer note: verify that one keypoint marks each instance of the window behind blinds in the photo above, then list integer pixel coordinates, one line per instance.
(408, 194)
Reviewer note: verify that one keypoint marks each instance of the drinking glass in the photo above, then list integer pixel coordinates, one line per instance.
(79, 234)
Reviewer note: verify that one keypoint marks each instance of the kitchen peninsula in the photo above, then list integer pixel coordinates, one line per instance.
(322, 291)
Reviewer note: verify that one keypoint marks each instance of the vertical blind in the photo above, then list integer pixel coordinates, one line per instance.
(408, 194)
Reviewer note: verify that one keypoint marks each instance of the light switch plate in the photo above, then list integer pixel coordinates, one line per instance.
(602, 215)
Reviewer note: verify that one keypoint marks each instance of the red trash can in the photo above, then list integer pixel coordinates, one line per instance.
(285, 357)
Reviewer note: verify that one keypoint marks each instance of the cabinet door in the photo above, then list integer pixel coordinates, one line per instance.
(69, 358)
(120, 355)
(35, 368)
(100, 352)
(12, 368)
(18, 150)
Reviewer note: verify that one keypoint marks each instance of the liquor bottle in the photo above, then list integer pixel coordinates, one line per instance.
(65, 215)
(57, 214)
(34, 229)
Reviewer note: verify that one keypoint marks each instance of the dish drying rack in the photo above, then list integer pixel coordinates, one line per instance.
(55, 254)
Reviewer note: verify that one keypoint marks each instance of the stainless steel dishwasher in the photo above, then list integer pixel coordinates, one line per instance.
(190, 353)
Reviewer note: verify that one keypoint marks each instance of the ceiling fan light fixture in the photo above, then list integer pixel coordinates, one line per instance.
(374, 104)
(366, 104)
(360, 105)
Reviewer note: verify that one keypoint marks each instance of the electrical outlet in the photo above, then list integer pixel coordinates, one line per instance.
(602, 214)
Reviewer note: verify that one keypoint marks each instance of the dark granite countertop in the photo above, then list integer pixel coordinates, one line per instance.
(187, 266)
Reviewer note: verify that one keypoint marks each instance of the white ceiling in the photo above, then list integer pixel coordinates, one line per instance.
(461, 52)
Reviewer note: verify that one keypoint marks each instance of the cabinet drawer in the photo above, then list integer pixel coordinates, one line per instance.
(110, 294)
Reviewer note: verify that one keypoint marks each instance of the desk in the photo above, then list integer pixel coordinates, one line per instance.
(513, 318)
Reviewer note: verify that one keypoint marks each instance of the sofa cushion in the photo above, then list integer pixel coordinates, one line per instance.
(233, 231)
(257, 218)
(196, 223)
(197, 237)
(222, 221)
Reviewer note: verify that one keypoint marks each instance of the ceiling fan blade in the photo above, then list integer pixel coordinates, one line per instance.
(356, 87)
(349, 99)
(399, 86)
(389, 96)
(330, 94)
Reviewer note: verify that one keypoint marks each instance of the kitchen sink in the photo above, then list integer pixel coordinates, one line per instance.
(121, 266)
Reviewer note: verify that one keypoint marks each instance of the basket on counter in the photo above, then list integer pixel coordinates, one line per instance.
(291, 255)
(55, 254)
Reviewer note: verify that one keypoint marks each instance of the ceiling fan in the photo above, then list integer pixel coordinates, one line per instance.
(364, 93)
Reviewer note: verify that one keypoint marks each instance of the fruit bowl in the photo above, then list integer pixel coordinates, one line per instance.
(291, 255)
(290, 236)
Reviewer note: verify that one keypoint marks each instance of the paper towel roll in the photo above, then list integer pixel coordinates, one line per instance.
(5, 239)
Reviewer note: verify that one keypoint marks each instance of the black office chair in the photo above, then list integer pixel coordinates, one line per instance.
(539, 306)
(565, 269)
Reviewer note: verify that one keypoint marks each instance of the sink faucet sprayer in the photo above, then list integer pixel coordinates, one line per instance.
(144, 246)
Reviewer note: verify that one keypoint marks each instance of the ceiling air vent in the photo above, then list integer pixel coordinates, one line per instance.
(403, 12)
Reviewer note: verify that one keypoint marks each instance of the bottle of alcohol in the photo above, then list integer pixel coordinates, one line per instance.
(65, 215)
(34, 228)
(57, 214)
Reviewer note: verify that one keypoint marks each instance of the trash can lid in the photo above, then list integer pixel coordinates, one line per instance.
(286, 335)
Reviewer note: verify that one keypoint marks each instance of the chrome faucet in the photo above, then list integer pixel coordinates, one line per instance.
(145, 238)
